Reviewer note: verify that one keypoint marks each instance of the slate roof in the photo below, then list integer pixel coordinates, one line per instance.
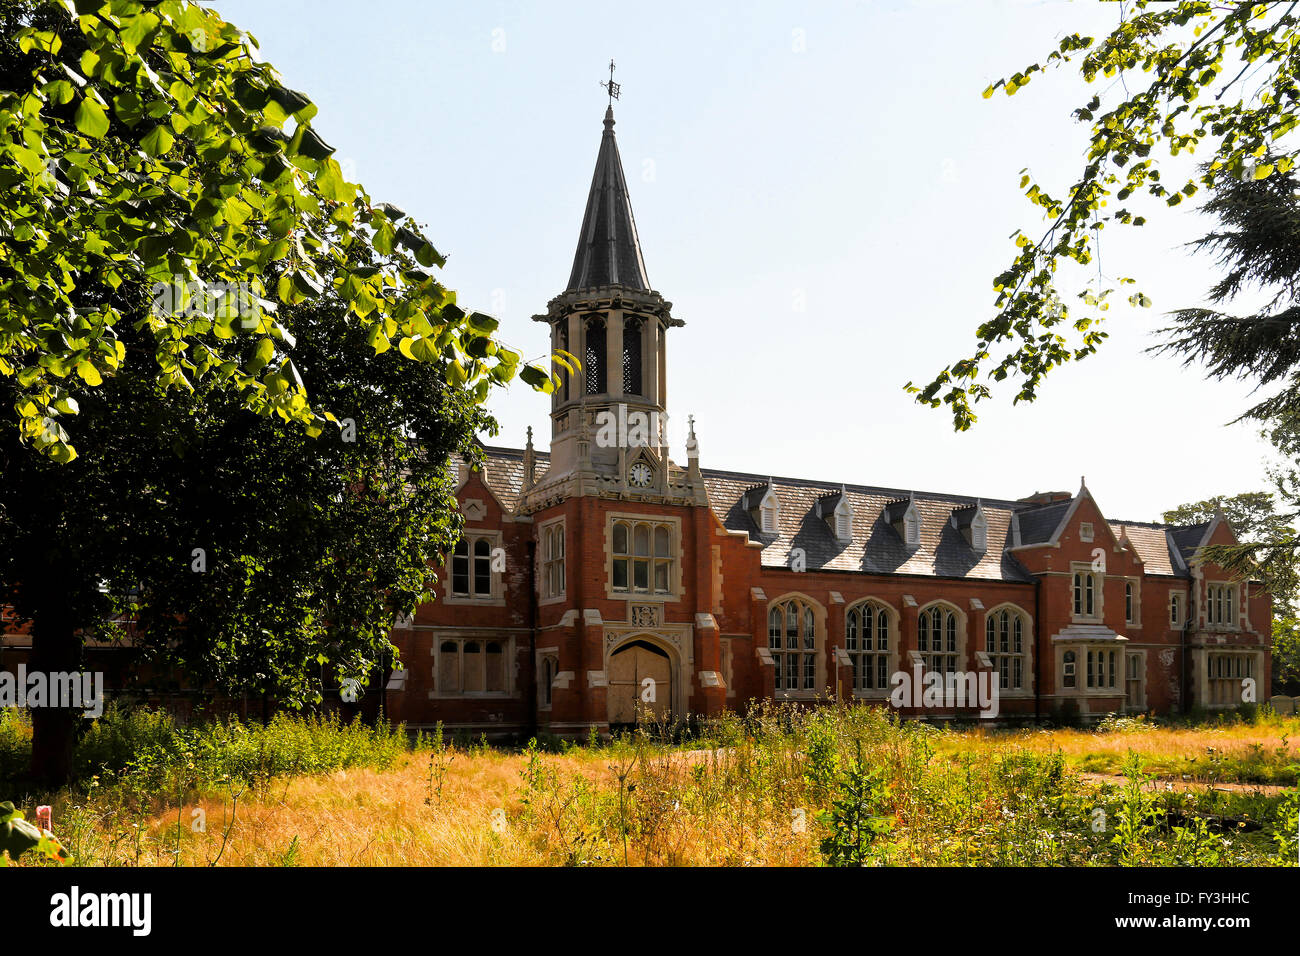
(1188, 538)
(609, 252)
(1039, 522)
(1154, 545)
(876, 547)
(503, 472)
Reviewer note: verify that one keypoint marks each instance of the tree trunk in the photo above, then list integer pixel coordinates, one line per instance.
(56, 648)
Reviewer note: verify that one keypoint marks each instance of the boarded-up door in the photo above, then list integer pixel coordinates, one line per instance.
(632, 668)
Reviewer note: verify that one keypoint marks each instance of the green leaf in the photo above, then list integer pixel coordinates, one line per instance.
(376, 339)
(17, 836)
(60, 92)
(262, 355)
(311, 145)
(291, 101)
(384, 237)
(331, 185)
(537, 379)
(426, 255)
(158, 141)
(307, 284)
(91, 119)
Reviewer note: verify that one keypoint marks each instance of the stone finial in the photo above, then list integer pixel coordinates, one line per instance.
(530, 462)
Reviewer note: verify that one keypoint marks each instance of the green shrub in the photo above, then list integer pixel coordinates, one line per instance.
(151, 749)
(15, 743)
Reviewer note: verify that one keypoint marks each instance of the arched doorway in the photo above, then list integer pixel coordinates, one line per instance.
(639, 678)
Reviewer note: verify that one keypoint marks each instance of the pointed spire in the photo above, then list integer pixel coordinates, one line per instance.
(530, 462)
(609, 252)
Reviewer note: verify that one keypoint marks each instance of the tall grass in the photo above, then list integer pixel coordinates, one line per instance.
(149, 747)
(777, 785)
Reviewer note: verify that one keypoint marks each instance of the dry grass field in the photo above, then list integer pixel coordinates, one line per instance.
(840, 786)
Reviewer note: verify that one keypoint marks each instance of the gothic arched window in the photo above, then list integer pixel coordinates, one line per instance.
(866, 638)
(632, 335)
(793, 641)
(1005, 642)
(936, 639)
(594, 357)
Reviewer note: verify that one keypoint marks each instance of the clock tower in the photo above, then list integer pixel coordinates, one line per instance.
(609, 419)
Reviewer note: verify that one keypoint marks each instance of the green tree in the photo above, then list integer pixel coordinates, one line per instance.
(147, 156)
(1255, 249)
(248, 555)
(183, 270)
(1286, 655)
(1221, 79)
(1254, 246)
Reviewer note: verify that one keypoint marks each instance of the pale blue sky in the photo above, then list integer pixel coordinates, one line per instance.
(837, 154)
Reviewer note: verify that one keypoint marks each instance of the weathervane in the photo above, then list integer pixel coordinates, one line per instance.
(611, 86)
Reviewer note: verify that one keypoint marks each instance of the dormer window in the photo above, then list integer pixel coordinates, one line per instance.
(971, 521)
(911, 529)
(838, 514)
(906, 520)
(762, 504)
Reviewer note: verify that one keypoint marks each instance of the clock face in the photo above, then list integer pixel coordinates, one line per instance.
(640, 474)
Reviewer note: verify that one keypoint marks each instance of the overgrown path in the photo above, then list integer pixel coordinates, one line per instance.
(1177, 783)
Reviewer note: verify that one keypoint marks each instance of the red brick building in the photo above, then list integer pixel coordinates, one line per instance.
(601, 574)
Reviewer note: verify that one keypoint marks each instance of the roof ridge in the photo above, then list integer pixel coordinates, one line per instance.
(880, 490)
(1148, 524)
